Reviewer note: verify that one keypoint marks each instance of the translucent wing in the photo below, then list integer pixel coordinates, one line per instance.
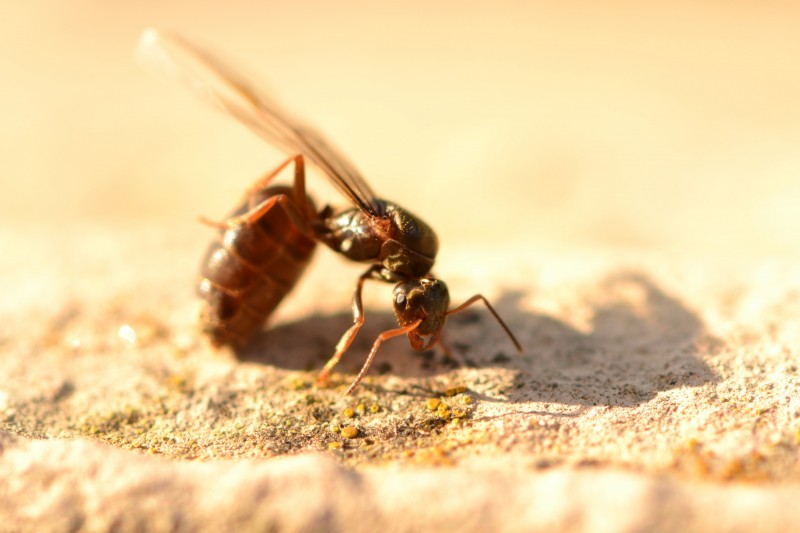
(231, 93)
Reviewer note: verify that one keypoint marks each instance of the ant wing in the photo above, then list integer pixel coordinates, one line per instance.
(229, 92)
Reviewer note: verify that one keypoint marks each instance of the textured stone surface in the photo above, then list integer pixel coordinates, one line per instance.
(620, 181)
(80, 485)
(654, 396)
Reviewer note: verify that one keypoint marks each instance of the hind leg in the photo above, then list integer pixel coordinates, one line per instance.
(297, 208)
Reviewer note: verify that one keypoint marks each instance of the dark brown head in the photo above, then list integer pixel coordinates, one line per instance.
(427, 300)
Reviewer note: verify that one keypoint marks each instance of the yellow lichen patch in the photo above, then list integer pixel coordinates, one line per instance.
(756, 465)
(435, 455)
(178, 383)
(299, 384)
(350, 432)
(433, 403)
(349, 412)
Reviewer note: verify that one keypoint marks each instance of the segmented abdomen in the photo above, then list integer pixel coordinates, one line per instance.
(248, 272)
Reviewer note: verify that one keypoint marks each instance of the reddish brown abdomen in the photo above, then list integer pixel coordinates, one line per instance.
(250, 270)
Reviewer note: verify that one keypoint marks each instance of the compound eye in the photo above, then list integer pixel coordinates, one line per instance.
(400, 300)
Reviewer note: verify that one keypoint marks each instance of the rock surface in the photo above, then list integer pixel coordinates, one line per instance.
(619, 180)
(652, 394)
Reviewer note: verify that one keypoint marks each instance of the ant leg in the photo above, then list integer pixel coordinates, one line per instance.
(491, 310)
(382, 337)
(252, 216)
(300, 188)
(349, 335)
(299, 216)
(212, 223)
(264, 181)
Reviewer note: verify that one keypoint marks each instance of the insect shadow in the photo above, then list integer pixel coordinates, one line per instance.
(640, 341)
(307, 344)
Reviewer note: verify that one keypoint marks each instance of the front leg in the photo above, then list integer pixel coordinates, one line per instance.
(480, 297)
(349, 335)
(371, 357)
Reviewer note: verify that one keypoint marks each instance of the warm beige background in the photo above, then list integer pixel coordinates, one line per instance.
(611, 123)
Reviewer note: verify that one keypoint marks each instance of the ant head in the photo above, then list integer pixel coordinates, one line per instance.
(426, 300)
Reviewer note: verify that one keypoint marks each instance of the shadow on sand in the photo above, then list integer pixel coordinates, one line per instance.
(641, 341)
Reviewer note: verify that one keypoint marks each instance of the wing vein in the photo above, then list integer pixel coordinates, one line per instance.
(231, 93)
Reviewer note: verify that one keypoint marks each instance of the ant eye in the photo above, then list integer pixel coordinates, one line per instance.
(400, 299)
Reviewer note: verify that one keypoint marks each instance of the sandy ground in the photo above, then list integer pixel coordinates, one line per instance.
(653, 394)
(620, 182)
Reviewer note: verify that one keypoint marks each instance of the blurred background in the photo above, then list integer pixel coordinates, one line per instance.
(668, 127)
